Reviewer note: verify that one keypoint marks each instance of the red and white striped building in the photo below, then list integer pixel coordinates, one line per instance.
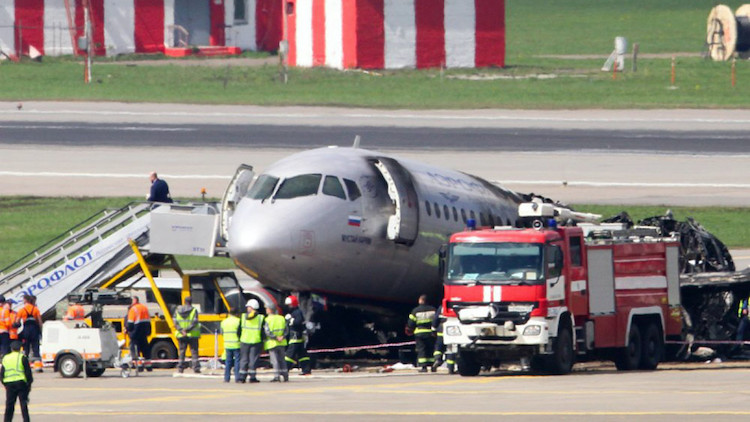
(138, 26)
(368, 34)
(392, 34)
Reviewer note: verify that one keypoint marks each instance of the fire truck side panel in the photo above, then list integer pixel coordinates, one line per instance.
(601, 283)
(605, 331)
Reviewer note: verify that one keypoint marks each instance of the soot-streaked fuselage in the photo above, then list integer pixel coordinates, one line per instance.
(318, 221)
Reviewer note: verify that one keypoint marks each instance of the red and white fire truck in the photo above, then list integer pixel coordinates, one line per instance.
(559, 290)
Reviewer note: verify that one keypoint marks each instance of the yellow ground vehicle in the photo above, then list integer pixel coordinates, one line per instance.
(213, 294)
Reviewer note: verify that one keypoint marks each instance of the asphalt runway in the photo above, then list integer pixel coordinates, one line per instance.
(685, 392)
(670, 157)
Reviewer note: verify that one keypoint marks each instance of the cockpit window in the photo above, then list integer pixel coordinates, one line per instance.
(303, 185)
(332, 187)
(263, 187)
(352, 188)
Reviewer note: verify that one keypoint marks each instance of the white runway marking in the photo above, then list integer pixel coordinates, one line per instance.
(110, 175)
(400, 116)
(571, 183)
(101, 128)
(579, 183)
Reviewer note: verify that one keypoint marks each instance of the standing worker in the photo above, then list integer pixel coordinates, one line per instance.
(75, 312)
(138, 328)
(230, 330)
(742, 314)
(31, 319)
(439, 354)
(251, 340)
(5, 323)
(17, 379)
(296, 352)
(159, 189)
(188, 333)
(276, 333)
(420, 324)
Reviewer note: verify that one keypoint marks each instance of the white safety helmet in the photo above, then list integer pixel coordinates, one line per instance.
(253, 303)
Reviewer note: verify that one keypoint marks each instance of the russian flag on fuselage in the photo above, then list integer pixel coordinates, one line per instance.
(355, 221)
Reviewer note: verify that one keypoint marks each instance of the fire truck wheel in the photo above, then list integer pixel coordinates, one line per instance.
(630, 356)
(468, 365)
(69, 366)
(561, 361)
(653, 347)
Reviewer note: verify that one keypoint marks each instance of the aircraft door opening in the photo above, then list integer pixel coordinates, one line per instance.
(403, 225)
(236, 190)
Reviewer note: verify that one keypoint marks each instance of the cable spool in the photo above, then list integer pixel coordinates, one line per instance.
(727, 33)
(743, 30)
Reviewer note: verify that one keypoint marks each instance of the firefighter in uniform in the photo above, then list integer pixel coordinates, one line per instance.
(31, 319)
(420, 324)
(296, 352)
(138, 328)
(251, 340)
(276, 332)
(188, 334)
(75, 312)
(17, 379)
(742, 314)
(230, 330)
(440, 355)
(5, 324)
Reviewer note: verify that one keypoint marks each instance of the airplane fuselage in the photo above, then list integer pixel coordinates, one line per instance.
(358, 224)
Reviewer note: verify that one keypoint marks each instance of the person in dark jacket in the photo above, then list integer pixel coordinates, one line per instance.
(420, 324)
(440, 355)
(17, 378)
(296, 351)
(159, 189)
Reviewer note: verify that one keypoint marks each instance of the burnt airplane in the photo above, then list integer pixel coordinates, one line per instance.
(363, 229)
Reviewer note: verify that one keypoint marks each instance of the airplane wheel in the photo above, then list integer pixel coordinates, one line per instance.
(69, 366)
(652, 348)
(630, 356)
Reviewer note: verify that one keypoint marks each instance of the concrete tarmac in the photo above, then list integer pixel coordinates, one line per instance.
(594, 392)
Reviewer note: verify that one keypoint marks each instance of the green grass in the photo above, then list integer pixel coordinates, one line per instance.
(28, 222)
(534, 29)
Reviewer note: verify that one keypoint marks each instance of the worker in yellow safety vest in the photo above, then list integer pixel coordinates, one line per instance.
(188, 333)
(230, 330)
(251, 340)
(420, 324)
(276, 332)
(742, 314)
(17, 379)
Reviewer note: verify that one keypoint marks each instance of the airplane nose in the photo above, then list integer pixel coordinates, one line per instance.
(253, 240)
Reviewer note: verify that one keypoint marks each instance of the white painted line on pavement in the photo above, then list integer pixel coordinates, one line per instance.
(582, 183)
(110, 175)
(298, 115)
(570, 183)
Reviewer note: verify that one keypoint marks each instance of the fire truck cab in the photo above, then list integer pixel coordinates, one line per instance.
(550, 293)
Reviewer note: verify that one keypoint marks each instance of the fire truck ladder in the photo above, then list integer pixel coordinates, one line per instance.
(86, 254)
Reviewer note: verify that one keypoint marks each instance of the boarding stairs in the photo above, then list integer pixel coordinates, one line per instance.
(101, 247)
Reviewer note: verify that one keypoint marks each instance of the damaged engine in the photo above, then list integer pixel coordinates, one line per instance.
(710, 287)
